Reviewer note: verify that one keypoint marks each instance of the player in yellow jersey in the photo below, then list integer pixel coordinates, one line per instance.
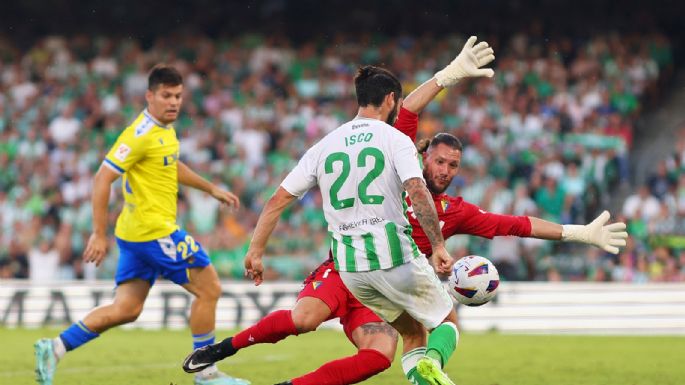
(146, 156)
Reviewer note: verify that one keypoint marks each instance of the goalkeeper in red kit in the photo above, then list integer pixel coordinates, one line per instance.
(324, 295)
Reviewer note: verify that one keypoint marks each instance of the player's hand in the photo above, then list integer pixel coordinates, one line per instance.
(442, 260)
(253, 265)
(607, 237)
(96, 250)
(467, 64)
(226, 197)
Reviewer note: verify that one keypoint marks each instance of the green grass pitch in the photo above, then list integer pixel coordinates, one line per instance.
(153, 357)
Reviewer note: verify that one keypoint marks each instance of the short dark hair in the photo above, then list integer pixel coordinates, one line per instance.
(373, 83)
(163, 74)
(441, 138)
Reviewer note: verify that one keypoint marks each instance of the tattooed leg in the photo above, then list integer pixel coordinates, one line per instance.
(376, 342)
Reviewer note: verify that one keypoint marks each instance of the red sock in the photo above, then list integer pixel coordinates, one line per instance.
(348, 370)
(272, 328)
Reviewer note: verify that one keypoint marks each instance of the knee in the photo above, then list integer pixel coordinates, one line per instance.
(388, 351)
(377, 360)
(377, 337)
(126, 313)
(386, 345)
(209, 291)
(306, 321)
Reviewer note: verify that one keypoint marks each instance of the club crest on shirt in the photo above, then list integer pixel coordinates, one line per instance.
(122, 152)
(445, 203)
(316, 284)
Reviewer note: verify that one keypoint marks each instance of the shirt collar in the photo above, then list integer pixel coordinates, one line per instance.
(149, 116)
(440, 196)
(363, 118)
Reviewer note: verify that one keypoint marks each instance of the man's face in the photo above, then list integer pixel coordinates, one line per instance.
(164, 103)
(440, 166)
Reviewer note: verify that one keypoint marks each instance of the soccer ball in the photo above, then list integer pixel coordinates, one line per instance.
(474, 280)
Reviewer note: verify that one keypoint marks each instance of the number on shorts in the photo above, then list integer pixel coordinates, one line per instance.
(188, 244)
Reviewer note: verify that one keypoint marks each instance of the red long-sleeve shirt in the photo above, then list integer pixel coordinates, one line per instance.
(456, 215)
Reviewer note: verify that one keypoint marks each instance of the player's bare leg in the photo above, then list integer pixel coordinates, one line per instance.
(376, 341)
(306, 316)
(205, 286)
(309, 313)
(126, 307)
(378, 336)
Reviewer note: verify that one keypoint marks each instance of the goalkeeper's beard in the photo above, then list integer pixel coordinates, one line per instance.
(392, 116)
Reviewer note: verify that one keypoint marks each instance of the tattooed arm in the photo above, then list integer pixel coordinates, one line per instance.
(424, 210)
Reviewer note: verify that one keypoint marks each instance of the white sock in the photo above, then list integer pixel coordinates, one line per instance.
(208, 371)
(58, 348)
(410, 358)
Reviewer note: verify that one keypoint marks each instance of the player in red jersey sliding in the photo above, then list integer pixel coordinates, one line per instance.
(325, 297)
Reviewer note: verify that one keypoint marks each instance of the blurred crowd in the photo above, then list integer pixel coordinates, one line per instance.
(549, 136)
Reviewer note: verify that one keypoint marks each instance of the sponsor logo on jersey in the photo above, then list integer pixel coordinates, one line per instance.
(171, 159)
(122, 152)
(316, 284)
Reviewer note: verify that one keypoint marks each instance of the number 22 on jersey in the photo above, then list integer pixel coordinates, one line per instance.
(367, 153)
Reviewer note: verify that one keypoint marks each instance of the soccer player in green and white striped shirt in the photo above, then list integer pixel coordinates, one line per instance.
(363, 169)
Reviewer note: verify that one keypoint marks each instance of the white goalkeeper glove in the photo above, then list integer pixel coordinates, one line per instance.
(467, 64)
(606, 237)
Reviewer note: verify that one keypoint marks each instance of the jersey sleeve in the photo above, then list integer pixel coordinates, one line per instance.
(475, 221)
(407, 123)
(405, 158)
(303, 176)
(127, 150)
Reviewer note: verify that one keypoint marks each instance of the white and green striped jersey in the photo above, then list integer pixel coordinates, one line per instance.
(360, 168)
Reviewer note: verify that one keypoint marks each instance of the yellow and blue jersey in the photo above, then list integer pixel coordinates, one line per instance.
(146, 155)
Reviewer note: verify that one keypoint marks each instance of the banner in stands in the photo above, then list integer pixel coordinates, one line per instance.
(598, 308)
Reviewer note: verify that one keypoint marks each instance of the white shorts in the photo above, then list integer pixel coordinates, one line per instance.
(412, 287)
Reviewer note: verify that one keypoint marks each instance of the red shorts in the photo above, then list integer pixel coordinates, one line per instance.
(325, 284)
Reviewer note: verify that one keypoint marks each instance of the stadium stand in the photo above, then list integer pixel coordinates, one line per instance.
(550, 136)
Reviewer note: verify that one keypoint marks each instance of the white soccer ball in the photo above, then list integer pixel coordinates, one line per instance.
(474, 280)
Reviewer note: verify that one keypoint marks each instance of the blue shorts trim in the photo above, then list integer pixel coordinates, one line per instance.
(170, 257)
